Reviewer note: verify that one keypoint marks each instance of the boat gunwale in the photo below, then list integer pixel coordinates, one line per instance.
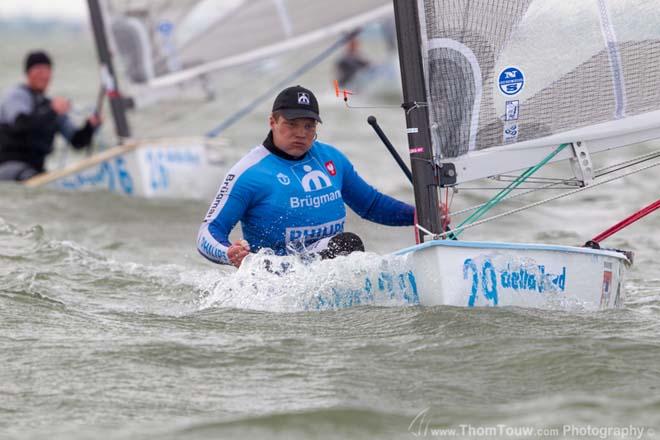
(513, 246)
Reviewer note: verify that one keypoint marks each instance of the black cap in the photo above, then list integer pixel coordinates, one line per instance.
(37, 57)
(297, 102)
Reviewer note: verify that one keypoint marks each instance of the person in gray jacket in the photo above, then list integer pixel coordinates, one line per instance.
(29, 121)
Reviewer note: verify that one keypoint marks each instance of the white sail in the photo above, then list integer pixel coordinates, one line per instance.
(165, 42)
(508, 81)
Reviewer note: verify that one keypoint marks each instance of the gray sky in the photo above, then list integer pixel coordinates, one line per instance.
(64, 9)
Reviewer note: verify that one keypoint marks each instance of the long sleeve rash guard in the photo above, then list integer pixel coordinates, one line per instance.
(286, 205)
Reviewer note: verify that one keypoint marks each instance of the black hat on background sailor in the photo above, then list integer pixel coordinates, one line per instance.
(35, 58)
(38, 70)
(297, 102)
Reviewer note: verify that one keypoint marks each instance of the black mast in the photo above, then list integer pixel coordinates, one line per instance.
(425, 178)
(110, 80)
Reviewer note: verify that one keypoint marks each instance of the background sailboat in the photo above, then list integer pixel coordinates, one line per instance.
(172, 50)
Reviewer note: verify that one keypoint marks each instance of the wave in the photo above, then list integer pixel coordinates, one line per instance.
(290, 283)
(340, 423)
(64, 272)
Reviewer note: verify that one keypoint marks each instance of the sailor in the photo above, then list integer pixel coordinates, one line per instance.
(29, 121)
(289, 193)
(351, 63)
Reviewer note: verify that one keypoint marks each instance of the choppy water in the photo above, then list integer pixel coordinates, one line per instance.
(111, 326)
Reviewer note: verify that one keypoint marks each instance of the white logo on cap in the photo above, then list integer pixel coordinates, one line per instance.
(303, 98)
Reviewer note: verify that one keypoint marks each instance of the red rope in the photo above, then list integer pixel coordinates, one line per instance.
(445, 211)
(415, 230)
(627, 221)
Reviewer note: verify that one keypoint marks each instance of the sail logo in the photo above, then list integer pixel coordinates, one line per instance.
(511, 110)
(166, 27)
(311, 176)
(511, 132)
(222, 192)
(511, 81)
(283, 178)
(303, 98)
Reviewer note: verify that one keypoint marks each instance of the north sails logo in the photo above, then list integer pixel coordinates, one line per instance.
(303, 98)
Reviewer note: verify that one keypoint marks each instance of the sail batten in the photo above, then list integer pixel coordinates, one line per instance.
(510, 72)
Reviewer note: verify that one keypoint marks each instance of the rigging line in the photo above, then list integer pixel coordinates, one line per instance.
(624, 165)
(626, 222)
(424, 230)
(380, 107)
(532, 190)
(509, 178)
(415, 105)
(550, 199)
(567, 182)
(499, 188)
(598, 173)
(445, 211)
(637, 159)
(240, 114)
(502, 194)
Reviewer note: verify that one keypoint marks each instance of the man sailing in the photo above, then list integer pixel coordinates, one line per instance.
(29, 121)
(289, 193)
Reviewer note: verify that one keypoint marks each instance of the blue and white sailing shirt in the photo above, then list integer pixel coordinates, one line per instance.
(287, 204)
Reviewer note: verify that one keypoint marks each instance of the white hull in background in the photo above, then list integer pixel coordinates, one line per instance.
(476, 274)
(189, 168)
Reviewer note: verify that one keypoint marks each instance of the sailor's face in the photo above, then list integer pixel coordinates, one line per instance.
(293, 136)
(38, 77)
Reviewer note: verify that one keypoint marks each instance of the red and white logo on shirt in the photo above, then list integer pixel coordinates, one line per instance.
(330, 166)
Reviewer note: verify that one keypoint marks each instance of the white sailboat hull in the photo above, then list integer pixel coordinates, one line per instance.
(474, 274)
(168, 168)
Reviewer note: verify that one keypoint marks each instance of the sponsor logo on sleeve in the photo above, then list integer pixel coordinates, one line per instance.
(220, 196)
(213, 251)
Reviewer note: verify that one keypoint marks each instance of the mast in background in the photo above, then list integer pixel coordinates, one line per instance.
(108, 78)
(424, 171)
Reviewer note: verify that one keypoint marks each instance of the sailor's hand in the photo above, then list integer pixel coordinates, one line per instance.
(238, 251)
(95, 120)
(60, 105)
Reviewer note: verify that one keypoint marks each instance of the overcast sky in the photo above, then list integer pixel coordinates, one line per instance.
(65, 9)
